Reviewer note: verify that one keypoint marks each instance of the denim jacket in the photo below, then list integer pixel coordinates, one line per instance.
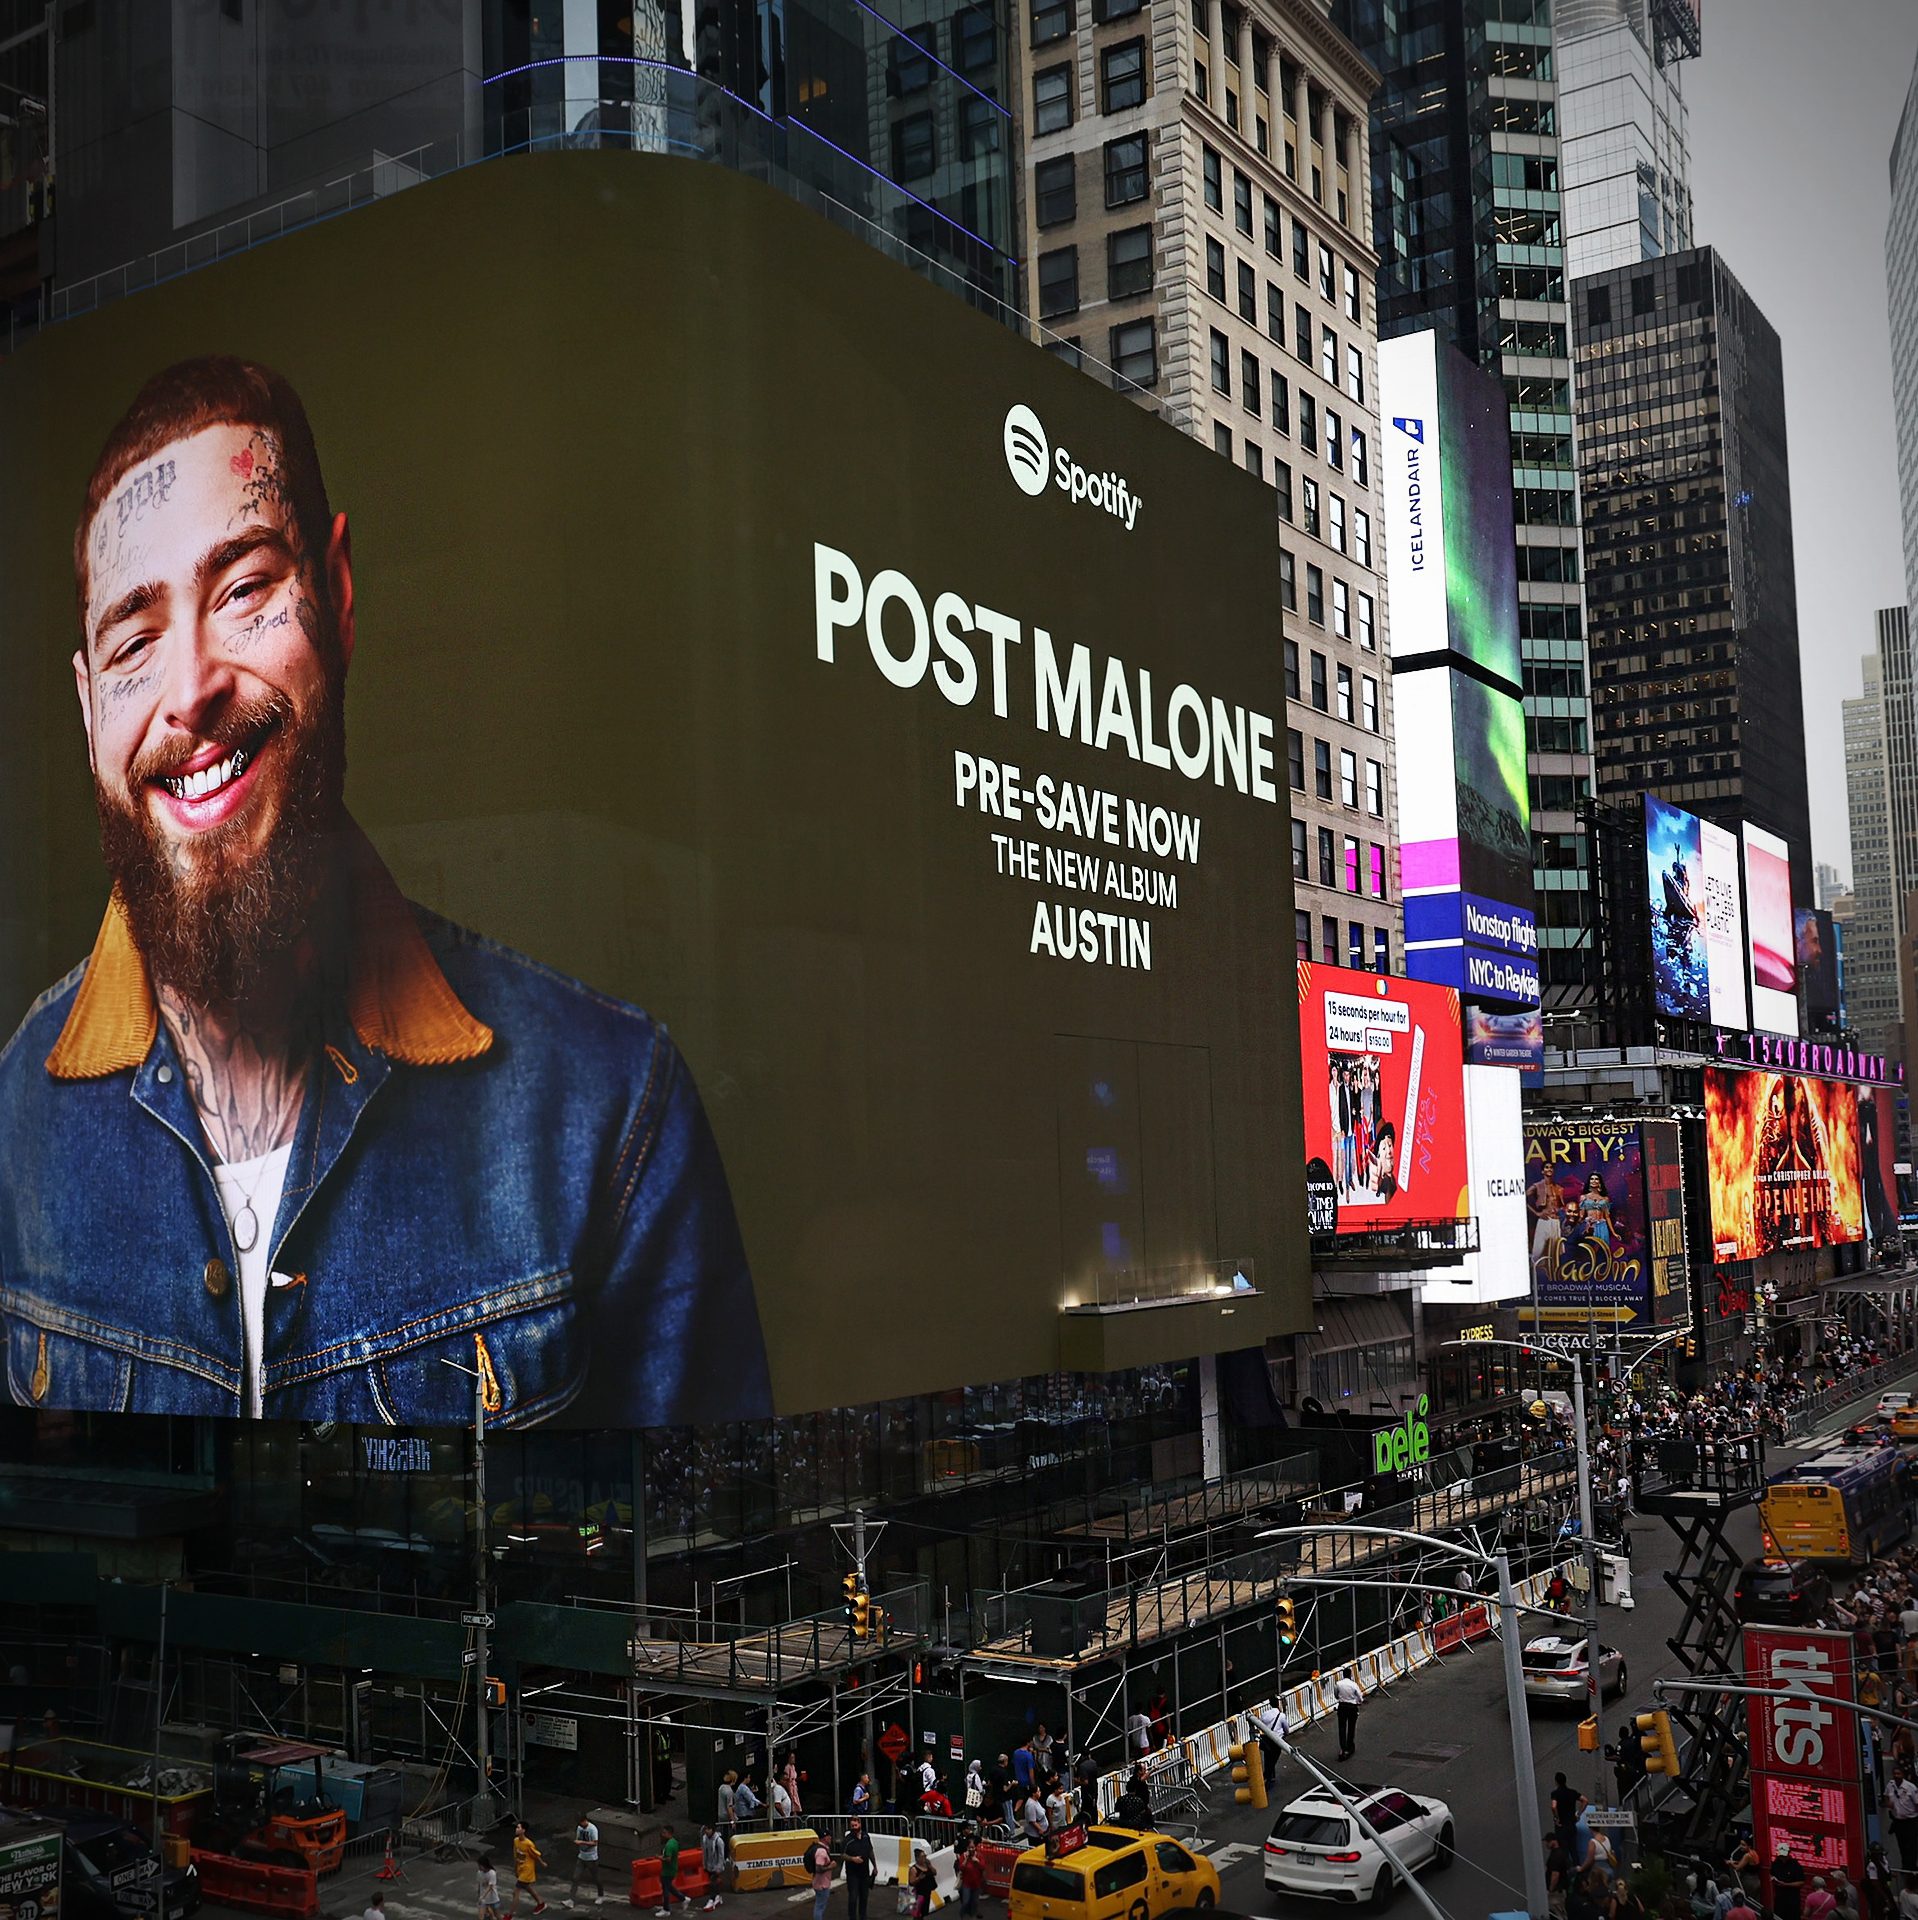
(493, 1165)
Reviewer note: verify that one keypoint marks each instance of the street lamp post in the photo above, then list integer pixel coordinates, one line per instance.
(1525, 1777)
(484, 1812)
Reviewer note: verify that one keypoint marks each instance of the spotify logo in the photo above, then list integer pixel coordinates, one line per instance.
(1026, 450)
(1029, 454)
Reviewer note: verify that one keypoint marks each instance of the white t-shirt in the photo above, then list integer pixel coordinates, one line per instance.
(1346, 1691)
(256, 1183)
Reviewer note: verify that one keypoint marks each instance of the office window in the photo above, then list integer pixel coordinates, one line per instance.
(1302, 334)
(1328, 858)
(1301, 864)
(1329, 939)
(1135, 353)
(1315, 596)
(1598, 306)
(1348, 777)
(1361, 459)
(1353, 311)
(1334, 440)
(1295, 758)
(976, 39)
(1054, 192)
(1231, 108)
(1126, 173)
(1128, 261)
(1248, 294)
(1335, 521)
(1122, 76)
(981, 127)
(1214, 179)
(1301, 250)
(1308, 423)
(1322, 768)
(1352, 886)
(1274, 313)
(1052, 100)
(1058, 282)
(1241, 202)
(1342, 626)
(1291, 651)
(1289, 600)
(1325, 271)
(1355, 374)
(1115, 9)
(1272, 243)
(1261, 133)
(1070, 349)
(1321, 697)
(1281, 402)
(1368, 633)
(913, 152)
(1250, 385)
(909, 61)
(1302, 934)
(1345, 693)
(1328, 356)
(1254, 461)
(1221, 362)
(1362, 536)
(1222, 438)
(1051, 20)
(1215, 267)
(1355, 929)
(1375, 789)
(1282, 480)
(1200, 85)
(1381, 940)
(1309, 493)
(1644, 296)
(1369, 704)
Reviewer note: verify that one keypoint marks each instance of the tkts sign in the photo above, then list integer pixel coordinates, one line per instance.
(1804, 1750)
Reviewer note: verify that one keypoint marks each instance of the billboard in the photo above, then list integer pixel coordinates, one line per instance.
(1784, 1163)
(1495, 1149)
(1878, 1159)
(1470, 915)
(1697, 924)
(1772, 934)
(1592, 1255)
(636, 830)
(1817, 955)
(1384, 1096)
(1806, 1791)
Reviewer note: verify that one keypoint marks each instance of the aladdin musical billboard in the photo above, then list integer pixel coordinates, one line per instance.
(577, 841)
(1602, 1241)
(1385, 1135)
(1785, 1167)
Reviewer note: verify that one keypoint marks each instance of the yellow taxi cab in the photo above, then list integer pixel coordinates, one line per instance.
(1904, 1423)
(1116, 1875)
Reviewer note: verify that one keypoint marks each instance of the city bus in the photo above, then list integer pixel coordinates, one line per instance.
(1845, 1507)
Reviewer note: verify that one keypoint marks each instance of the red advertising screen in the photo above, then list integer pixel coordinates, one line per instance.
(1784, 1158)
(1804, 1750)
(1380, 1063)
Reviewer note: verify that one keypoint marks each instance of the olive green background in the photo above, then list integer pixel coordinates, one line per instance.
(587, 414)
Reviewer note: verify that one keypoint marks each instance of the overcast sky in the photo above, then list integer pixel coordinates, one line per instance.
(1793, 108)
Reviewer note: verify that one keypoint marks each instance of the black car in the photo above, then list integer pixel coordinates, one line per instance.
(112, 1873)
(1781, 1593)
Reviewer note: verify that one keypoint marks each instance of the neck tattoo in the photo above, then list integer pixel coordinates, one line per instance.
(247, 1077)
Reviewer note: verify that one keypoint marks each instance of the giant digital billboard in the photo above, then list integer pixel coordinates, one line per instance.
(1384, 1100)
(1784, 1158)
(1771, 931)
(1593, 1257)
(1698, 947)
(1817, 943)
(671, 838)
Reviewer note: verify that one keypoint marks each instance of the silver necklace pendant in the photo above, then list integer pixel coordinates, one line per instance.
(246, 1227)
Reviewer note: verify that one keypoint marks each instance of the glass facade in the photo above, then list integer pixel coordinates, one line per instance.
(1901, 296)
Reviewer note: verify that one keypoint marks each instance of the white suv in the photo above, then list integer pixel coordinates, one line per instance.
(1316, 1847)
(1894, 1402)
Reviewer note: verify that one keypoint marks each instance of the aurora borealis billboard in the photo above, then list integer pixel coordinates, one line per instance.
(1470, 919)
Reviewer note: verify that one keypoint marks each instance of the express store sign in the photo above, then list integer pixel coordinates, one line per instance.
(1804, 1749)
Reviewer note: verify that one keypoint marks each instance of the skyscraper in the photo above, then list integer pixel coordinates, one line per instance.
(1881, 780)
(1688, 547)
(1829, 882)
(1467, 219)
(1901, 296)
(1622, 130)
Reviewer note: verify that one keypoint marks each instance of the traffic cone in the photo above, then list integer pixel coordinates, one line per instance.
(390, 1869)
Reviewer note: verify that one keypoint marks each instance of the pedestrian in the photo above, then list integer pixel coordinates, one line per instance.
(488, 1888)
(972, 1880)
(782, 1803)
(1138, 1734)
(1032, 1820)
(861, 1795)
(1135, 1803)
(1901, 1803)
(746, 1803)
(1347, 1698)
(375, 1908)
(1041, 1747)
(818, 1862)
(729, 1805)
(527, 1860)
(586, 1860)
(1058, 1807)
(789, 1778)
(1004, 1786)
(1820, 1904)
(1565, 1799)
(1878, 1898)
(924, 1882)
(1787, 1884)
(1558, 1874)
(712, 1856)
(668, 1874)
(856, 1856)
(975, 1790)
(935, 1801)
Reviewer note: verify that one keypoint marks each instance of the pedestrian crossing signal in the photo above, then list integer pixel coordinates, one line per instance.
(1288, 1610)
(1248, 1771)
(1656, 1743)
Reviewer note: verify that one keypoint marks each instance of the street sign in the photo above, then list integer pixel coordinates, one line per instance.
(469, 1656)
(476, 1619)
(1611, 1819)
(893, 1742)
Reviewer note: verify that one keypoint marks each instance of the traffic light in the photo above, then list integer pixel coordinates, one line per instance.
(862, 1615)
(1248, 1771)
(1288, 1610)
(878, 1623)
(1588, 1740)
(1656, 1743)
(850, 1588)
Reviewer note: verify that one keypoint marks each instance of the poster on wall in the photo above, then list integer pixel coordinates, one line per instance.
(1380, 1064)
(1771, 931)
(1784, 1158)
(1585, 1200)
